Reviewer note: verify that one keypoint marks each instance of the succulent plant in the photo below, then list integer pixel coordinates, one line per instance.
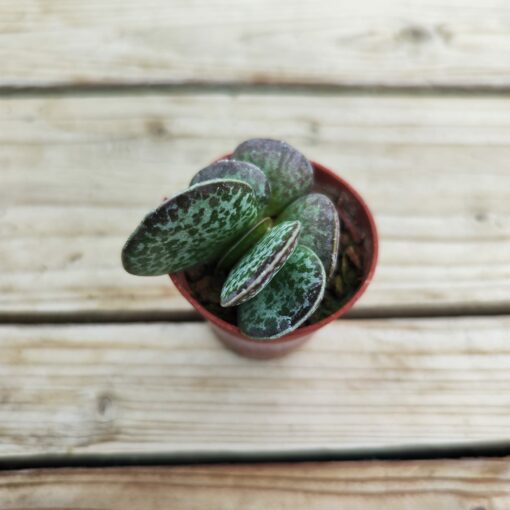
(256, 244)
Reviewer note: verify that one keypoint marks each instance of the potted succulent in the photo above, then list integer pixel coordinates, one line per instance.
(266, 245)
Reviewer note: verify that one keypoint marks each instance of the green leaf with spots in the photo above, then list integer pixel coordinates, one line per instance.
(194, 226)
(237, 250)
(290, 174)
(241, 171)
(289, 299)
(320, 227)
(255, 270)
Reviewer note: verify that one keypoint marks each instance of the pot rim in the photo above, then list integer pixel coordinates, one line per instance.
(179, 279)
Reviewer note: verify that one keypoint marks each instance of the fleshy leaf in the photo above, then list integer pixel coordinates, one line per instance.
(289, 299)
(191, 227)
(237, 250)
(290, 174)
(255, 270)
(241, 171)
(320, 227)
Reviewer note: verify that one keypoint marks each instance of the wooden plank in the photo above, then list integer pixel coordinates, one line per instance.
(467, 484)
(79, 173)
(382, 42)
(172, 389)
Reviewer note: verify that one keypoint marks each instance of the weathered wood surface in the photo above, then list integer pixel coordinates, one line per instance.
(381, 42)
(173, 389)
(482, 484)
(79, 173)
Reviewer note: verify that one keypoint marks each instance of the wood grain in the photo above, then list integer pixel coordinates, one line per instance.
(173, 390)
(468, 484)
(79, 173)
(381, 42)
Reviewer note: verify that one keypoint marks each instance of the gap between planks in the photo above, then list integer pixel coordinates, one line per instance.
(148, 316)
(55, 461)
(277, 88)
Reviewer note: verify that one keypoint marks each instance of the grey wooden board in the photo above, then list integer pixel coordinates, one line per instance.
(459, 43)
(419, 485)
(173, 390)
(78, 173)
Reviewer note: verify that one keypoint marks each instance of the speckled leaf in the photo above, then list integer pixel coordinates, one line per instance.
(249, 239)
(290, 174)
(320, 227)
(191, 227)
(289, 299)
(241, 171)
(255, 270)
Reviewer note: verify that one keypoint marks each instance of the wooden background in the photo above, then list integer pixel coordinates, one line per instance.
(106, 106)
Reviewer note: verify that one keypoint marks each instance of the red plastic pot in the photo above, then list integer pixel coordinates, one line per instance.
(231, 336)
